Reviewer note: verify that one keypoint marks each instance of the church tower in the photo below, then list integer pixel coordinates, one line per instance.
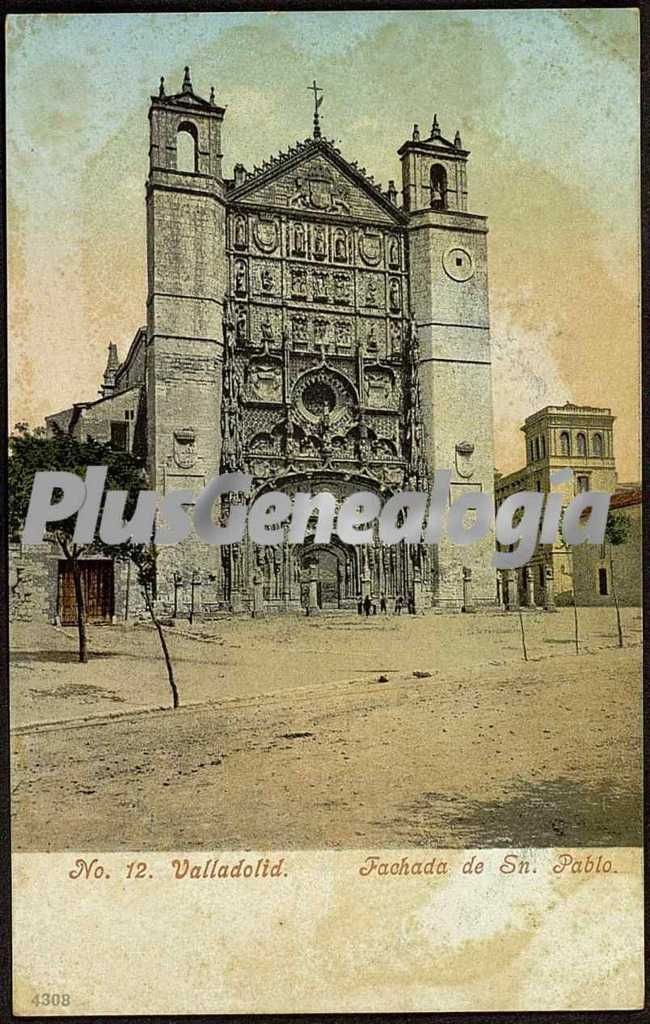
(449, 297)
(186, 285)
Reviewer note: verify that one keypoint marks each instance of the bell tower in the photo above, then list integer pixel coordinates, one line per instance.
(186, 267)
(449, 297)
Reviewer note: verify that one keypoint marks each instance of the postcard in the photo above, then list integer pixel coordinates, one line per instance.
(325, 511)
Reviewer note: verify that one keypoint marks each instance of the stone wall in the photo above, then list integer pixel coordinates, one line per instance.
(33, 580)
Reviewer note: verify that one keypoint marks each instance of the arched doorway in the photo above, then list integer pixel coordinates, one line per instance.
(335, 568)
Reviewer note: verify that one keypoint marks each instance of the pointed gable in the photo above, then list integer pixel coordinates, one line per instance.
(315, 177)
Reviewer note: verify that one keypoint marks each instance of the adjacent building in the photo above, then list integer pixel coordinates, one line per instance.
(603, 572)
(580, 439)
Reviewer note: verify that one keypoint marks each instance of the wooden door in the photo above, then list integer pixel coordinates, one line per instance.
(98, 587)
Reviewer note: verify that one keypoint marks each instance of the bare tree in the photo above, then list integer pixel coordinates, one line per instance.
(617, 532)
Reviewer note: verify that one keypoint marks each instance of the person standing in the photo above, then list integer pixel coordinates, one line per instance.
(382, 604)
(367, 604)
(398, 604)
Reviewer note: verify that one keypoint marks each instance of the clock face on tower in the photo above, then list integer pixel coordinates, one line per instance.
(458, 264)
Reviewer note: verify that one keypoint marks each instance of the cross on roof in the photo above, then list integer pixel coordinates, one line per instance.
(317, 102)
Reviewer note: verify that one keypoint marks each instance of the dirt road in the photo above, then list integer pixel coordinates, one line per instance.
(300, 745)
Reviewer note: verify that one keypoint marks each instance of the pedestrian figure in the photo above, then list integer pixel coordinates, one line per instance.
(398, 605)
(367, 604)
(359, 604)
(382, 604)
(411, 605)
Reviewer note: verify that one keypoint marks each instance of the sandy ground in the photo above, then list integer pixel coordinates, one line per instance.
(287, 738)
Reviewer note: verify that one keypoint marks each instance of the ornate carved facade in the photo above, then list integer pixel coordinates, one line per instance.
(320, 364)
(304, 327)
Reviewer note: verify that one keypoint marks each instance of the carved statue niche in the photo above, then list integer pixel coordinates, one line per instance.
(299, 282)
(341, 288)
(371, 339)
(242, 325)
(266, 329)
(298, 247)
(340, 246)
(394, 295)
(343, 334)
(240, 233)
(319, 243)
(393, 253)
(320, 286)
(395, 338)
(240, 277)
(371, 291)
(299, 331)
(266, 280)
(320, 334)
(228, 328)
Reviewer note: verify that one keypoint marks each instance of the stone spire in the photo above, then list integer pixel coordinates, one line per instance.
(457, 140)
(187, 81)
(435, 128)
(161, 90)
(110, 373)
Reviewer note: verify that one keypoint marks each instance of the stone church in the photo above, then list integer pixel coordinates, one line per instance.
(317, 331)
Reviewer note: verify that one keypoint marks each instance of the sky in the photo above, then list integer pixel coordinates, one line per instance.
(546, 100)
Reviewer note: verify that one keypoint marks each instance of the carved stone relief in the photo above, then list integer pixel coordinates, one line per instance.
(370, 247)
(465, 459)
(185, 448)
(378, 388)
(317, 190)
(265, 381)
(266, 233)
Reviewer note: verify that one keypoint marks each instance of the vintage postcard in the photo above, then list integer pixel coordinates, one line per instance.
(325, 511)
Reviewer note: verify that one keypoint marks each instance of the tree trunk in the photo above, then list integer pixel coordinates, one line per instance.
(575, 620)
(523, 635)
(81, 611)
(615, 596)
(165, 649)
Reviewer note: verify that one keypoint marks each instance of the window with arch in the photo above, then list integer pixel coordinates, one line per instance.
(565, 443)
(187, 148)
(531, 451)
(438, 187)
(597, 445)
(537, 448)
(543, 444)
(581, 444)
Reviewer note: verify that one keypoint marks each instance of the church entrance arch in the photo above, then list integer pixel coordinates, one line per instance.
(334, 567)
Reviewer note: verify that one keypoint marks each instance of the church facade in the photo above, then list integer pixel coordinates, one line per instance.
(318, 332)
